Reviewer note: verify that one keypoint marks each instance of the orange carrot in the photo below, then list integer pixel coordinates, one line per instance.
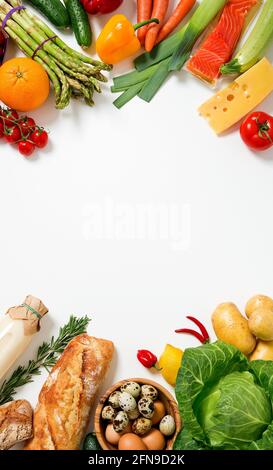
(183, 7)
(144, 11)
(159, 11)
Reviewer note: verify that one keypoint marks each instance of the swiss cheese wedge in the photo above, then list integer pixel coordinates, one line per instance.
(232, 103)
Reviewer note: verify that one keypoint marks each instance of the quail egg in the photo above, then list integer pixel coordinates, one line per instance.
(134, 414)
(108, 412)
(167, 425)
(120, 421)
(127, 402)
(146, 407)
(148, 391)
(131, 387)
(141, 426)
(114, 399)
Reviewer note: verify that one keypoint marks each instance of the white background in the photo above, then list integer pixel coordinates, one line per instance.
(137, 291)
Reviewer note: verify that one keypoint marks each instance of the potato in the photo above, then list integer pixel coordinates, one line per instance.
(263, 350)
(231, 327)
(256, 302)
(261, 323)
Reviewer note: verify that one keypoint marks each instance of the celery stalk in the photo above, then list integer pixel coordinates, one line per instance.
(199, 21)
(256, 44)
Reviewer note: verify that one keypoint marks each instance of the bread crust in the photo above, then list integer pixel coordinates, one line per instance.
(63, 411)
(15, 423)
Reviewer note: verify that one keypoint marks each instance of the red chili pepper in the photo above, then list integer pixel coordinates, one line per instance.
(146, 358)
(203, 337)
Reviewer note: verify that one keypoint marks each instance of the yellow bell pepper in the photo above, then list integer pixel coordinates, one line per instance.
(118, 41)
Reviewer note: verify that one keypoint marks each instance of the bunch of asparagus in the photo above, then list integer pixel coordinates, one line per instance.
(71, 73)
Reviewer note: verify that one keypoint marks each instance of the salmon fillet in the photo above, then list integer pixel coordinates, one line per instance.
(219, 45)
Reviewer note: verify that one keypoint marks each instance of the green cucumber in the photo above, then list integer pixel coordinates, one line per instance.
(91, 442)
(54, 10)
(79, 22)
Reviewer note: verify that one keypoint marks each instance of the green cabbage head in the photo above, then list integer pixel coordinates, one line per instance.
(225, 401)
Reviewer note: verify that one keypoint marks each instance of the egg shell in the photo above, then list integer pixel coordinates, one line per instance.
(127, 402)
(159, 412)
(131, 387)
(148, 391)
(146, 407)
(120, 421)
(167, 425)
(154, 440)
(130, 441)
(114, 399)
(141, 426)
(111, 435)
(134, 414)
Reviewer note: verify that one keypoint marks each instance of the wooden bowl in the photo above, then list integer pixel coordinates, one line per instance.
(163, 394)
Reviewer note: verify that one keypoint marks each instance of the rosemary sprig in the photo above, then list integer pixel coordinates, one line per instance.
(47, 356)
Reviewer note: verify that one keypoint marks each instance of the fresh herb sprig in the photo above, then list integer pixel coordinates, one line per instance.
(47, 356)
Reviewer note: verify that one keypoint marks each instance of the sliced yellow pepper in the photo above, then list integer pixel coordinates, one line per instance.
(170, 362)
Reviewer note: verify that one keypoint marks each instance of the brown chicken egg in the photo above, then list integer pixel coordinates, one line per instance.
(111, 435)
(159, 411)
(154, 440)
(131, 441)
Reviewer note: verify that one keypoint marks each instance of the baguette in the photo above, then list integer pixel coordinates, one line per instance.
(62, 415)
(15, 423)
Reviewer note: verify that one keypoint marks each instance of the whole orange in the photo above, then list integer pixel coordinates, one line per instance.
(24, 84)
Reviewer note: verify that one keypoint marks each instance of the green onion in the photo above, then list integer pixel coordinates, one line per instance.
(254, 47)
(199, 21)
(160, 52)
(128, 95)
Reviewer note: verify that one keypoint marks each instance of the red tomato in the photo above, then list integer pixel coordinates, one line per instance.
(10, 116)
(40, 138)
(257, 131)
(1, 130)
(27, 125)
(102, 7)
(12, 134)
(26, 148)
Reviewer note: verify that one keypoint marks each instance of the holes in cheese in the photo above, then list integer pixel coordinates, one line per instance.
(236, 100)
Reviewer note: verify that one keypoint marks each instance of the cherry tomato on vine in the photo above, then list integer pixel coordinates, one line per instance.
(1, 130)
(10, 117)
(12, 134)
(40, 138)
(27, 125)
(257, 131)
(26, 148)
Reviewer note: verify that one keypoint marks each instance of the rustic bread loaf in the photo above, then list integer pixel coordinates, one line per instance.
(15, 423)
(63, 411)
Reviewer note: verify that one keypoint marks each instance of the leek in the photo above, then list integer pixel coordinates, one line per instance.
(254, 47)
(160, 52)
(132, 78)
(199, 21)
(152, 85)
(128, 95)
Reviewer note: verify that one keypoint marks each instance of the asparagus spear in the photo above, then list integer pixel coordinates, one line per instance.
(71, 73)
